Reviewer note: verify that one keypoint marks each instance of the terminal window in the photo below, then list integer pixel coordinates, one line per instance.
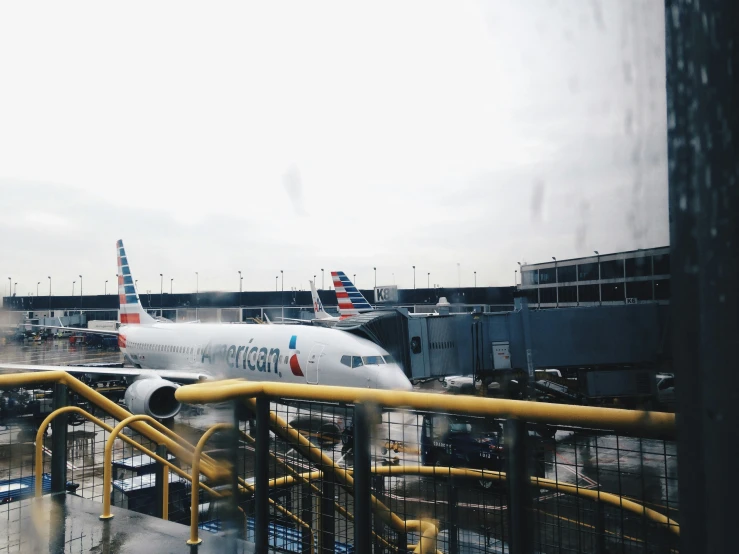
(568, 294)
(548, 295)
(639, 267)
(641, 290)
(589, 293)
(612, 269)
(530, 277)
(587, 272)
(548, 275)
(613, 292)
(662, 289)
(566, 274)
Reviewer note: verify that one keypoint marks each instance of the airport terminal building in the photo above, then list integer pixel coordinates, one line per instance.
(633, 277)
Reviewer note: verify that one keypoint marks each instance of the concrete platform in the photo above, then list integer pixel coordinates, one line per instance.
(67, 523)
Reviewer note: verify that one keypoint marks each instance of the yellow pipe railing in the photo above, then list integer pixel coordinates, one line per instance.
(42, 431)
(108, 458)
(642, 423)
(195, 479)
(8, 380)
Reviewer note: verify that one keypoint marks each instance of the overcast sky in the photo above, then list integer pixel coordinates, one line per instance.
(217, 137)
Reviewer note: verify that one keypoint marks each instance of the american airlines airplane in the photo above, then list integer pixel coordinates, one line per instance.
(351, 301)
(163, 354)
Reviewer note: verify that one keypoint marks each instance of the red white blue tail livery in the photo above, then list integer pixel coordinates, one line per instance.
(132, 312)
(351, 302)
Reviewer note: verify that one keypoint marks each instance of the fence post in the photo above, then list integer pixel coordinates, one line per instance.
(362, 476)
(306, 514)
(519, 487)
(453, 516)
(261, 477)
(160, 475)
(59, 440)
(600, 528)
(328, 540)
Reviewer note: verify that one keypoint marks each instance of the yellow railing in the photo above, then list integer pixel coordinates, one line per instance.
(640, 423)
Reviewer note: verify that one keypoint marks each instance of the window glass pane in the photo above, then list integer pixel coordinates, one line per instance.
(373, 360)
(639, 267)
(356, 361)
(612, 269)
(566, 274)
(589, 293)
(547, 276)
(548, 295)
(531, 295)
(568, 294)
(587, 272)
(613, 292)
(347, 361)
(389, 359)
(530, 277)
(641, 290)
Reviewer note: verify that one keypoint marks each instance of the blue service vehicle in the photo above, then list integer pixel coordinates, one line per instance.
(12, 490)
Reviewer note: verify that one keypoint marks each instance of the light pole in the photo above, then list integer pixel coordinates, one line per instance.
(106, 287)
(514, 274)
(428, 280)
(80, 293)
(414, 277)
(355, 280)
(37, 284)
(475, 272)
(375, 276)
(49, 276)
(600, 297)
(161, 294)
(282, 295)
(314, 280)
(515, 278)
(73, 282)
(171, 282)
(15, 288)
(321, 278)
(10, 286)
(276, 278)
(556, 282)
(136, 284)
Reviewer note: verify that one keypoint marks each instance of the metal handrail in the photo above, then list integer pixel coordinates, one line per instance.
(195, 479)
(209, 467)
(42, 431)
(643, 423)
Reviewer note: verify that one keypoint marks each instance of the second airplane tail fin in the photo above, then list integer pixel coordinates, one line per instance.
(132, 312)
(317, 304)
(351, 301)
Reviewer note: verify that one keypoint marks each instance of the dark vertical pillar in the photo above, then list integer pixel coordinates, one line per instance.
(328, 526)
(161, 450)
(703, 166)
(600, 528)
(59, 440)
(362, 477)
(261, 478)
(453, 516)
(519, 487)
(306, 514)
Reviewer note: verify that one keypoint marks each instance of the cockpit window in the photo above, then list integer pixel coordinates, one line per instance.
(373, 360)
(389, 359)
(356, 361)
(347, 361)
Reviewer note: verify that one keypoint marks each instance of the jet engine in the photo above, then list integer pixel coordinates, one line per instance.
(152, 396)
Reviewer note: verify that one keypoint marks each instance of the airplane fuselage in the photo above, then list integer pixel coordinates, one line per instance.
(281, 353)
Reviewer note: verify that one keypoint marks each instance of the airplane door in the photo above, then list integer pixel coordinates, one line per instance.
(314, 358)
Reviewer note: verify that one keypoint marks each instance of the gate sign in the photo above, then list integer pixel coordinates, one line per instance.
(386, 294)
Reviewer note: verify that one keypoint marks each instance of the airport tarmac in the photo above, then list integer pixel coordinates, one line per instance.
(640, 469)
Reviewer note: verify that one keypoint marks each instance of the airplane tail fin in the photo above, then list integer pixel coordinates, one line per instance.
(132, 312)
(351, 301)
(317, 304)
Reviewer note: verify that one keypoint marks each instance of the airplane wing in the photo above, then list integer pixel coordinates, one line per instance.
(177, 375)
(63, 328)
